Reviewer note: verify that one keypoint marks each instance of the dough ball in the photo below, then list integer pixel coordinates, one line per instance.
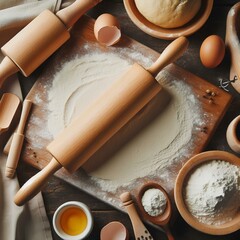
(168, 13)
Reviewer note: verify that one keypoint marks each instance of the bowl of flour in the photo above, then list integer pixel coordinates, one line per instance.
(207, 192)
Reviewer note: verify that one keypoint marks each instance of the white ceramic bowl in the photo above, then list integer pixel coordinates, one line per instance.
(57, 216)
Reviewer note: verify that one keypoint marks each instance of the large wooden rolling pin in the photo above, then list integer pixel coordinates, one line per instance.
(95, 126)
(40, 38)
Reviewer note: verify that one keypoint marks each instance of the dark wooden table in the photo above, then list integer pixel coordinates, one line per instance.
(57, 191)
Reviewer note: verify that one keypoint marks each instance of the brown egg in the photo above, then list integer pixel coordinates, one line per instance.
(212, 51)
(107, 29)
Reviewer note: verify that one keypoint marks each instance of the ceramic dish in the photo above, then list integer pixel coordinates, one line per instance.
(226, 228)
(164, 33)
(68, 216)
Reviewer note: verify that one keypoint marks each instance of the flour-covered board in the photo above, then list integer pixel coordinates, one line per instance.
(174, 126)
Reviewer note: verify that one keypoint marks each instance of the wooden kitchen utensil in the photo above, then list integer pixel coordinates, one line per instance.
(94, 127)
(139, 229)
(40, 38)
(162, 219)
(232, 43)
(8, 106)
(17, 141)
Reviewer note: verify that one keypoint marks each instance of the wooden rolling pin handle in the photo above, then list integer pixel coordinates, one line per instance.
(171, 53)
(27, 104)
(7, 68)
(168, 232)
(35, 184)
(14, 155)
(17, 142)
(72, 13)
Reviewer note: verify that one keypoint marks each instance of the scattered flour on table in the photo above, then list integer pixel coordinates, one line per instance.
(155, 145)
(212, 192)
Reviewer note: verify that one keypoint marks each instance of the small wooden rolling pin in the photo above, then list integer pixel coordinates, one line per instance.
(95, 126)
(17, 141)
(40, 38)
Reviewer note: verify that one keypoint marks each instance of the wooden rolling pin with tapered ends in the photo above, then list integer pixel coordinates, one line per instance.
(40, 38)
(101, 120)
(17, 141)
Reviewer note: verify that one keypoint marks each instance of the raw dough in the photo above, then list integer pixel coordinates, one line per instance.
(168, 13)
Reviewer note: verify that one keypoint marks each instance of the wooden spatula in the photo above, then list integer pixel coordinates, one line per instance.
(8, 106)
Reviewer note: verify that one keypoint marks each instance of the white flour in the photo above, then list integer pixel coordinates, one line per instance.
(154, 202)
(213, 192)
(157, 136)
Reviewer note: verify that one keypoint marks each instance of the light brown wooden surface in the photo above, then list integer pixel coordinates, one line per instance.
(17, 141)
(39, 157)
(103, 118)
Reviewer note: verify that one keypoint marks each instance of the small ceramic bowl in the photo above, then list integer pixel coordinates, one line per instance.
(72, 219)
(166, 33)
(225, 228)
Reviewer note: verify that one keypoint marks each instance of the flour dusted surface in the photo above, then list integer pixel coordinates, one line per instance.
(156, 137)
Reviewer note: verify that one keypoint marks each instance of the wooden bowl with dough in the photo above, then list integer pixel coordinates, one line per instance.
(222, 229)
(168, 33)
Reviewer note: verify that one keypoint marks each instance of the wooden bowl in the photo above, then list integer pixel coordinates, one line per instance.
(232, 134)
(166, 33)
(222, 229)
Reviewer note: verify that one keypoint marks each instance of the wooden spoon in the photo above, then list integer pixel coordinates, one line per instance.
(162, 219)
(139, 229)
(8, 106)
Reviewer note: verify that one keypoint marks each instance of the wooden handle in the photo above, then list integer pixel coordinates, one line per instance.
(171, 53)
(17, 142)
(132, 212)
(72, 13)
(14, 155)
(168, 232)
(35, 184)
(27, 104)
(7, 68)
